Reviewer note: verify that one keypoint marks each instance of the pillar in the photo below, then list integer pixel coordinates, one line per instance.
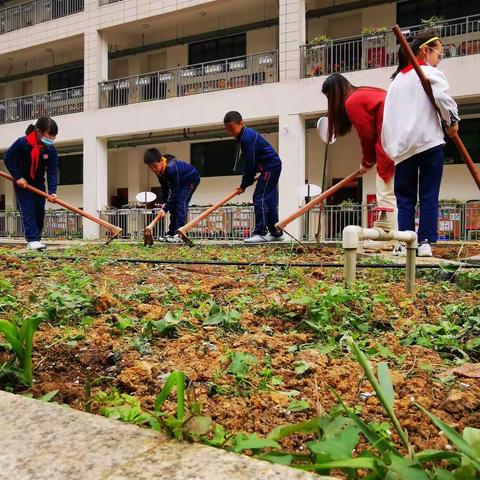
(95, 183)
(291, 147)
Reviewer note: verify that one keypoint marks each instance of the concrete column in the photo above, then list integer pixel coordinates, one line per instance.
(96, 66)
(95, 183)
(292, 34)
(134, 174)
(291, 147)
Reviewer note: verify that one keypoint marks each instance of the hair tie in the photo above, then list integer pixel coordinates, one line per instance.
(424, 44)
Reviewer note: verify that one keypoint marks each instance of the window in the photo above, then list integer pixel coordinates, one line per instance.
(65, 79)
(412, 12)
(470, 134)
(215, 159)
(70, 169)
(217, 49)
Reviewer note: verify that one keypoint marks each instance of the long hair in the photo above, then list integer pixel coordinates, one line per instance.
(415, 43)
(337, 88)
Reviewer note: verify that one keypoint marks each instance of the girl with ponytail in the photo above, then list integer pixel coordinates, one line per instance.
(27, 160)
(413, 138)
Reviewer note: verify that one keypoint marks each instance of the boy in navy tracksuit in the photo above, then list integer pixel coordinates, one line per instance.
(178, 180)
(27, 160)
(259, 156)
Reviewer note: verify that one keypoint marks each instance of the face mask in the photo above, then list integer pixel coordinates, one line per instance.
(46, 141)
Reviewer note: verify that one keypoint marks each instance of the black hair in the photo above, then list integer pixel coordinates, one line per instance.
(232, 117)
(152, 155)
(45, 125)
(415, 42)
(337, 88)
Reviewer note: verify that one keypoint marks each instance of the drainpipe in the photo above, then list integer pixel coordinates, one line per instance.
(352, 235)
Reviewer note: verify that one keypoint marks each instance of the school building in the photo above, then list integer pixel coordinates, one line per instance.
(120, 76)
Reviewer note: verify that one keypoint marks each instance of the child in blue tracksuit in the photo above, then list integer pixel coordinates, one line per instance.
(178, 180)
(27, 160)
(260, 157)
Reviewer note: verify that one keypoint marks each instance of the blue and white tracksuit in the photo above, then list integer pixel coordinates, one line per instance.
(17, 159)
(260, 156)
(179, 182)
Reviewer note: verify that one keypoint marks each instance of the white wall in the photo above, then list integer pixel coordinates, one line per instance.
(122, 162)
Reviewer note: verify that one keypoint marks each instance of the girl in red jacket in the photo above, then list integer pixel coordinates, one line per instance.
(362, 107)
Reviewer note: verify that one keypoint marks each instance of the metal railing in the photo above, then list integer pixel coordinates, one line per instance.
(460, 36)
(58, 224)
(30, 107)
(245, 71)
(456, 221)
(227, 223)
(36, 11)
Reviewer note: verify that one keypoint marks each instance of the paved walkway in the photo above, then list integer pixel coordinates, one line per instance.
(43, 441)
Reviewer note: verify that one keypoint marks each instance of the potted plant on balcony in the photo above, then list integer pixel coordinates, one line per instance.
(316, 55)
(319, 40)
(434, 23)
(347, 205)
(374, 32)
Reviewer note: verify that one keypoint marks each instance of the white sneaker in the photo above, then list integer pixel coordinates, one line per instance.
(174, 239)
(424, 249)
(274, 238)
(165, 239)
(400, 250)
(36, 246)
(255, 239)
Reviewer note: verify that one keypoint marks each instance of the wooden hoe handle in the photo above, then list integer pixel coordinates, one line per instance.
(41, 193)
(428, 90)
(327, 193)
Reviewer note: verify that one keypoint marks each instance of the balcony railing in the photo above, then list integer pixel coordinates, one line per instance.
(237, 72)
(36, 11)
(459, 36)
(30, 107)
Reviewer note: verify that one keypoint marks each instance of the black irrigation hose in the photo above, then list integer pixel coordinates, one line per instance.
(389, 266)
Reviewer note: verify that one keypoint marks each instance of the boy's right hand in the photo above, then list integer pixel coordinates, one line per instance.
(22, 183)
(240, 190)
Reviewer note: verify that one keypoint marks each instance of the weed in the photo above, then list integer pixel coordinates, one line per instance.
(226, 319)
(19, 335)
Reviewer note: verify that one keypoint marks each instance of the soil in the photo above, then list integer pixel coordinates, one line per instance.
(79, 358)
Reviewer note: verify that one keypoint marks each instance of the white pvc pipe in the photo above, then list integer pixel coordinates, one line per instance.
(352, 235)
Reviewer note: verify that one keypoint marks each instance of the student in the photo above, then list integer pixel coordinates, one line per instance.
(259, 156)
(412, 136)
(362, 107)
(27, 160)
(178, 180)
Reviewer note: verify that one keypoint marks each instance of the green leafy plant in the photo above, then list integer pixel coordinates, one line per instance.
(457, 334)
(19, 336)
(64, 304)
(168, 326)
(226, 319)
(7, 299)
(320, 40)
(374, 31)
(433, 22)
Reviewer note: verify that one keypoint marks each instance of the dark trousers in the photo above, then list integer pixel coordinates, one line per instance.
(32, 208)
(265, 202)
(420, 177)
(178, 214)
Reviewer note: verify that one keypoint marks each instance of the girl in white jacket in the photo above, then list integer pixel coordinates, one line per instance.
(412, 136)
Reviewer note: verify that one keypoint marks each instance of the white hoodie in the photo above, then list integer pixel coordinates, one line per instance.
(410, 123)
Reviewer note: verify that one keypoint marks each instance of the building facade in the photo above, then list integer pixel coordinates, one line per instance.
(121, 76)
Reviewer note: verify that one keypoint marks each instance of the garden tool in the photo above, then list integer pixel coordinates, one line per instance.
(192, 223)
(112, 228)
(428, 90)
(148, 232)
(323, 196)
